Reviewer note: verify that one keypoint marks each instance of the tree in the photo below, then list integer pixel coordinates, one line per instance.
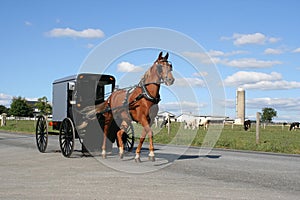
(268, 114)
(20, 108)
(3, 109)
(43, 105)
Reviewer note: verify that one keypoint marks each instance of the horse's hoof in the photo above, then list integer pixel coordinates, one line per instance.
(121, 155)
(152, 158)
(137, 160)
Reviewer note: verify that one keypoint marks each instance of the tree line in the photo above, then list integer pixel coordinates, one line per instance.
(20, 107)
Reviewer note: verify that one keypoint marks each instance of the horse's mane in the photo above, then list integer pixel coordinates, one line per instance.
(146, 75)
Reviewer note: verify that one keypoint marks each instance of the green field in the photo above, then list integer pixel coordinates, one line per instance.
(272, 139)
(276, 139)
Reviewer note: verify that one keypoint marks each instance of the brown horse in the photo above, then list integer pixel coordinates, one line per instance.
(137, 104)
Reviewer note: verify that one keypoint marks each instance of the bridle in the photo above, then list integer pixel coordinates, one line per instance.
(164, 79)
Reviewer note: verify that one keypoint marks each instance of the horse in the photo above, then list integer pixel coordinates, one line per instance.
(139, 104)
(205, 122)
(247, 124)
(294, 125)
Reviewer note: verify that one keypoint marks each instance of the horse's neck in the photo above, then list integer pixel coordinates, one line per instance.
(153, 89)
(152, 84)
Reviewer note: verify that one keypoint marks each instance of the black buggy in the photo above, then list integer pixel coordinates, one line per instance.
(70, 96)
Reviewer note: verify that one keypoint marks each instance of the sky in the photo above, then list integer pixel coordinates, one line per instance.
(253, 44)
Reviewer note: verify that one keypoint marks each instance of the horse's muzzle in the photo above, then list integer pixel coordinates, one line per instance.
(169, 81)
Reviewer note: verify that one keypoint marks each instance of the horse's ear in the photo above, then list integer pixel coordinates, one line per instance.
(167, 56)
(160, 56)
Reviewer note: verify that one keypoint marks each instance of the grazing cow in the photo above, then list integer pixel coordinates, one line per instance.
(165, 122)
(204, 122)
(247, 124)
(294, 125)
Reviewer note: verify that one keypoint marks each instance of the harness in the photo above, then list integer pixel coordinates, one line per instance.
(145, 94)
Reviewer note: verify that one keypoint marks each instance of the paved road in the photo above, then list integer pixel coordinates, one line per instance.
(27, 174)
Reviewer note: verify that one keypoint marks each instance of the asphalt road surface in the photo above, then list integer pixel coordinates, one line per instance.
(26, 173)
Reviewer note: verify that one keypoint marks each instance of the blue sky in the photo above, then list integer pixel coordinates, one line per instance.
(254, 44)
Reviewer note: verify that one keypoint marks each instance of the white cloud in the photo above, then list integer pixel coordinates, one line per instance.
(200, 74)
(254, 38)
(273, 39)
(215, 53)
(182, 107)
(89, 46)
(128, 67)
(273, 51)
(250, 63)
(260, 81)
(273, 85)
(67, 32)
(28, 23)
(297, 50)
(279, 103)
(290, 104)
(220, 57)
(5, 99)
(212, 56)
(246, 77)
(189, 82)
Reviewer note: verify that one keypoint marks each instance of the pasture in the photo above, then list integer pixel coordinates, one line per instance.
(273, 138)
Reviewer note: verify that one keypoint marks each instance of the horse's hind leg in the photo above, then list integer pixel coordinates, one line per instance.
(123, 127)
(120, 142)
(108, 120)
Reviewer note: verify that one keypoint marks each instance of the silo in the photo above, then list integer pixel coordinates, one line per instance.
(240, 105)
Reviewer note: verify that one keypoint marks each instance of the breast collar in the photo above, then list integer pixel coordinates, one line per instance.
(147, 96)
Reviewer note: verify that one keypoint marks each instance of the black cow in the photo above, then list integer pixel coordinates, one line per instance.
(294, 125)
(247, 124)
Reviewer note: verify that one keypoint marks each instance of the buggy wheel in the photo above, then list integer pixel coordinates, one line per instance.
(66, 137)
(41, 133)
(128, 138)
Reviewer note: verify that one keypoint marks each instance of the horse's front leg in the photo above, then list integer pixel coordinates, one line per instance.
(151, 147)
(138, 149)
(146, 130)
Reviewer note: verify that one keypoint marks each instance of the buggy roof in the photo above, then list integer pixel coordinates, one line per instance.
(65, 79)
(73, 77)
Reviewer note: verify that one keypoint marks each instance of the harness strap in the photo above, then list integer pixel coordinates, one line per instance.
(147, 96)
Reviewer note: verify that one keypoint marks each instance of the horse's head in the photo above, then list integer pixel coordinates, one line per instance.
(164, 69)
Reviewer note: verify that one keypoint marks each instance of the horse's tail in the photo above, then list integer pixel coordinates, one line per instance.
(91, 111)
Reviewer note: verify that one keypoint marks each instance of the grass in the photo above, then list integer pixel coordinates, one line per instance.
(23, 126)
(272, 138)
(275, 139)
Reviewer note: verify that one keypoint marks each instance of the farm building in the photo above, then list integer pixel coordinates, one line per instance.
(197, 118)
(161, 116)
